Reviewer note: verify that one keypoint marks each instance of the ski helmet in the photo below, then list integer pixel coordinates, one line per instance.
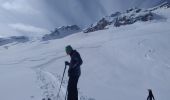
(68, 49)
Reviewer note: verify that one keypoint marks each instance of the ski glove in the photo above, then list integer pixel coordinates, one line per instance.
(67, 63)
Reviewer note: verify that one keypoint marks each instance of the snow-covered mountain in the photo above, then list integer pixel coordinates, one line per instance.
(61, 32)
(128, 17)
(119, 63)
(12, 39)
(30, 17)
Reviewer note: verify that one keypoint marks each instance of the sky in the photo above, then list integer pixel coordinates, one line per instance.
(37, 17)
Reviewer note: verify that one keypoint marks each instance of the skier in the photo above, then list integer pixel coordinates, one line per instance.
(73, 72)
(150, 96)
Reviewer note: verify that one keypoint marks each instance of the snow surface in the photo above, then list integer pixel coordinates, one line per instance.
(119, 63)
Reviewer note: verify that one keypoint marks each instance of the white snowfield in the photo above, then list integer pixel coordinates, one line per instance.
(119, 64)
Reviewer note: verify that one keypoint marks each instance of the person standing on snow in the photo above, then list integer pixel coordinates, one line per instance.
(150, 96)
(74, 72)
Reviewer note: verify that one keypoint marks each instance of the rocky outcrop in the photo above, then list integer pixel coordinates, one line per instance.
(61, 32)
(99, 26)
(133, 15)
(163, 5)
(19, 39)
(130, 16)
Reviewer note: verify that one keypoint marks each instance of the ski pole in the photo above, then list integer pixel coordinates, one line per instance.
(66, 95)
(61, 82)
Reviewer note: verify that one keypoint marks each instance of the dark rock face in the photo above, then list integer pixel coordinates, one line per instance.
(163, 5)
(115, 14)
(130, 16)
(4, 41)
(61, 32)
(118, 19)
(19, 39)
(99, 26)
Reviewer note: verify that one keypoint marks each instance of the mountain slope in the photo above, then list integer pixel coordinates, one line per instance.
(119, 63)
(32, 17)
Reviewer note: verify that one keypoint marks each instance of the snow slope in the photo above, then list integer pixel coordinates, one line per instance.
(119, 63)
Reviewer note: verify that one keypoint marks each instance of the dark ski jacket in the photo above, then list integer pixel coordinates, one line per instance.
(75, 63)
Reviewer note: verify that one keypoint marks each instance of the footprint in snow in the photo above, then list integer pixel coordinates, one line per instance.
(86, 98)
(47, 85)
(149, 53)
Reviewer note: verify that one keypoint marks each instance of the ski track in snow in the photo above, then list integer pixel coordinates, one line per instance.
(48, 62)
(49, 85)
(157, 70)
(150, 52)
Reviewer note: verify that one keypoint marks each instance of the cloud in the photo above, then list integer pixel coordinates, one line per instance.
(28, 29)
(50, 14)
(21, 6)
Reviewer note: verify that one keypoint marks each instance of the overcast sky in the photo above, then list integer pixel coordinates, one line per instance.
(35, 17)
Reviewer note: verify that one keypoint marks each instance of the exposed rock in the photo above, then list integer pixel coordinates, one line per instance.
(19, 39)
(163, 5)
(115, 14)
(99, 26)
(133, 17)
(61, 32)
(129, 17)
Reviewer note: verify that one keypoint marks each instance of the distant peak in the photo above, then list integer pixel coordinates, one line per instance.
(164, 3)
(62, 32)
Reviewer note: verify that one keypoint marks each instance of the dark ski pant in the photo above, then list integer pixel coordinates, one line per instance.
(72, 88)
(150, 98)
